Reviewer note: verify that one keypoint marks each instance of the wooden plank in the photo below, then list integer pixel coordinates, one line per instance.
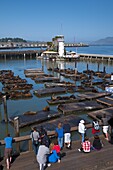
(80, 106)
(47, 79)
(60, 84)
(64, 99)
(49, 91)
(109, 97)
(92, 95)
(105, 101)
(33, 70)
(99, 113)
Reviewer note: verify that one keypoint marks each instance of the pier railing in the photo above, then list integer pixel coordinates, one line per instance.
(27, 138)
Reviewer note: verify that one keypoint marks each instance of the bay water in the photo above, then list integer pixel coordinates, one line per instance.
(17, 107)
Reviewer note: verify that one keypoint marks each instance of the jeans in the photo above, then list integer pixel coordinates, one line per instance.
(83, 135)
(60, 142)
(35, 148)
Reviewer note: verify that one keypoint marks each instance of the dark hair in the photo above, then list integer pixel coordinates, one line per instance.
(96, 137)
(34, 128)
(86, 138)
(43, 142)
(56, 142)
(8, 134)
(104, 115)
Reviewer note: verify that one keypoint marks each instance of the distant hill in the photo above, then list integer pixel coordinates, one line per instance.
(8, 39)
(105, 41)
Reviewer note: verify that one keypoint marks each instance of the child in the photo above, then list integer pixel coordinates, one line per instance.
(86, 146)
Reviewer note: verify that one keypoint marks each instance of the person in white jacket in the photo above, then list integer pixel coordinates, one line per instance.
(82, 129)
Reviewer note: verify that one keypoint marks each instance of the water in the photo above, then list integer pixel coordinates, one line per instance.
(108, 50)
(16, 107)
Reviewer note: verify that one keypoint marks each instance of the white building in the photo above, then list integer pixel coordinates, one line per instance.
(58, 42)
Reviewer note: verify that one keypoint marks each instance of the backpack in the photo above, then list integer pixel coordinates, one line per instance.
(96, 125)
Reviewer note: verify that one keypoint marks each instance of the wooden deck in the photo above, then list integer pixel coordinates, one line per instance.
(80, 106)
(31, 117)
(74, 160)
(49, 91)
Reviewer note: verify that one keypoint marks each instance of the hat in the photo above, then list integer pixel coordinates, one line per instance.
(82, 121)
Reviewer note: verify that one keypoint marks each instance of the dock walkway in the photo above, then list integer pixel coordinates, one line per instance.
(74, 160)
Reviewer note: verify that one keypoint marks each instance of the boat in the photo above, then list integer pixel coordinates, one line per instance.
(71, 54)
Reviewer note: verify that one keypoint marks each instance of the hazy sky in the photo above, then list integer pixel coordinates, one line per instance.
(41, 20)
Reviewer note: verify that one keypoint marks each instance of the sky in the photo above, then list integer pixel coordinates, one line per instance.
(42, 20)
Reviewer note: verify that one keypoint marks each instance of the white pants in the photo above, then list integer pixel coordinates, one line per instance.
(67, 138)
(105, 129)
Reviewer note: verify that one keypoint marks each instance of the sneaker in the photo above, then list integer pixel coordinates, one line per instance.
(79, 150)
(48, 164)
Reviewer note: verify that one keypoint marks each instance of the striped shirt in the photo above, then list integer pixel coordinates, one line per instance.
(86, 146)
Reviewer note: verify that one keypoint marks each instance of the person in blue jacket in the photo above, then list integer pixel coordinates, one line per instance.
(53, 156)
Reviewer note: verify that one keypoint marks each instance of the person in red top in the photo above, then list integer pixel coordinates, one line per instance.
(95, 128)
(56, 147)
(86, 146)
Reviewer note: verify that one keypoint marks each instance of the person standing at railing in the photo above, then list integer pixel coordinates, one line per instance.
(105, 127)
(82, 129)
(8, 150)
(59, 133)
(35, 139)
(67, 134)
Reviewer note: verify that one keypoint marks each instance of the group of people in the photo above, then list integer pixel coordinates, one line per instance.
(48, 152)
(97, 144)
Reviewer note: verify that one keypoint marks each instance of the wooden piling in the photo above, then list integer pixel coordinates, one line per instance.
(16, 129)
(98, 67)
(5, 109)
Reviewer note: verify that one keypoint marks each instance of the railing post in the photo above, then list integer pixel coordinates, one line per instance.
(30, 145)
(16, 128)
(5, 109)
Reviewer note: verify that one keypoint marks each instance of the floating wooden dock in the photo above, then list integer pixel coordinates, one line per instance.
(15, 95)
(65, 99)
(106, 100)
(33, 70)
(98, 114)
(80, 106)
(46, 79)
(49, 91)
(32, 117)
(92, 95)
(33, 74)
(60, 84)
(51, 125)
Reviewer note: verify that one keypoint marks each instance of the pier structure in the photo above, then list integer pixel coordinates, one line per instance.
(28, 54)
(12, 45)
(96, 56)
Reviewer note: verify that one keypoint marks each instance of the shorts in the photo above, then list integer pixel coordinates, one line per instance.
(67, 137)
(105, 129)
(8, 152)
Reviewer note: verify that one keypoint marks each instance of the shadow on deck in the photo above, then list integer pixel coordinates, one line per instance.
(74, 160)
